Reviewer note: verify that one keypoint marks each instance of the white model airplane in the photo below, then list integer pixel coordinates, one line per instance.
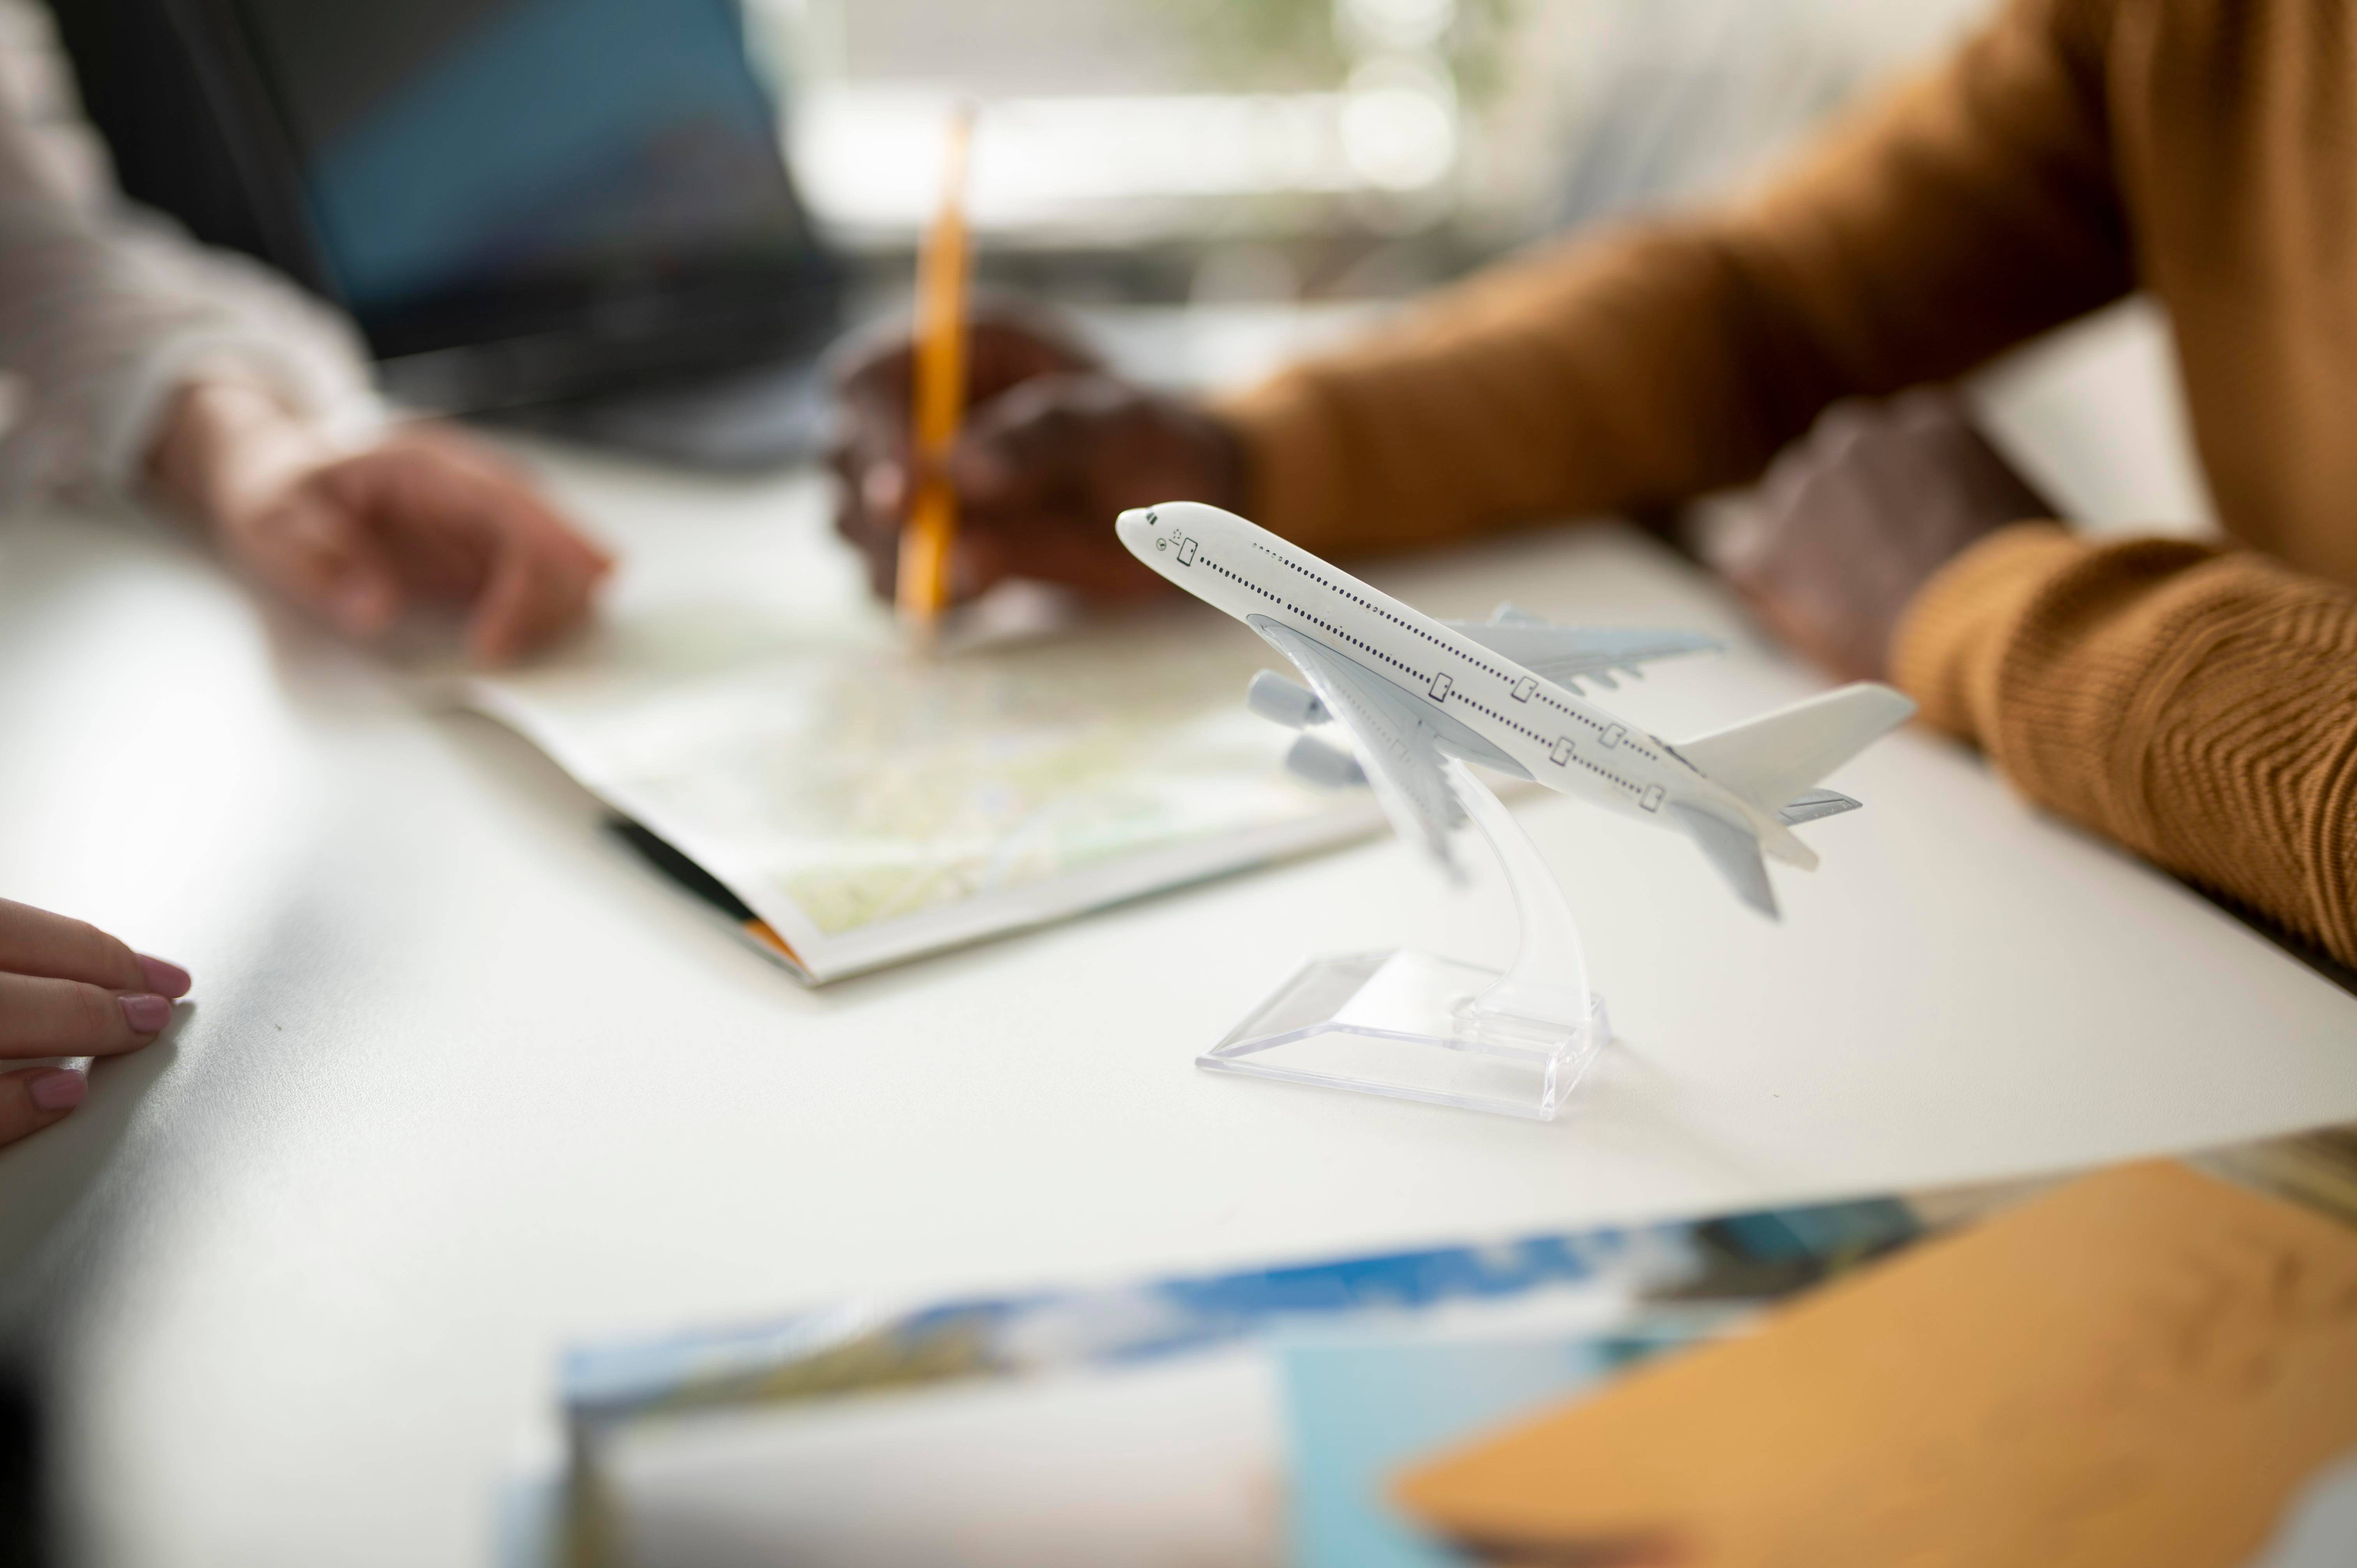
(1505, 694)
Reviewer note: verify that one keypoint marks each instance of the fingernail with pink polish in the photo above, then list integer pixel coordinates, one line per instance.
(169, 979)
(60, 1091)
(146, 1014)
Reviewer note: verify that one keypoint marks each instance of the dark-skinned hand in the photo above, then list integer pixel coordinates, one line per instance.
(1856, 517)
(1052, 448)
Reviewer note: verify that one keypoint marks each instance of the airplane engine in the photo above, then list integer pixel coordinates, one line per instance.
(1283, 702)
(1323, 764)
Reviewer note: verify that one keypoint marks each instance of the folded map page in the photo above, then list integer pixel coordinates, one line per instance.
(870, 804)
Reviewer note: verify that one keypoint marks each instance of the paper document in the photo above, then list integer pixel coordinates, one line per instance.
(2137, 1371)
(1143, 1423)
(2041, 1372)
(868, 805)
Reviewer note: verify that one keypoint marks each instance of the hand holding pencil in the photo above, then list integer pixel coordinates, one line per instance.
(991, 444)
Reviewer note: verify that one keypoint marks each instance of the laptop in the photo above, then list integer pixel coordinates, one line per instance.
(572, 215)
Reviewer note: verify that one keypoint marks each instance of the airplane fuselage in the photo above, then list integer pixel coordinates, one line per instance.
(1549, 732)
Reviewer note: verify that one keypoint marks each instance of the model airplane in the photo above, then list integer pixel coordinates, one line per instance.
(1505, 694)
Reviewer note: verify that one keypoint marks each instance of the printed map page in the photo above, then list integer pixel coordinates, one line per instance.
(870, 803)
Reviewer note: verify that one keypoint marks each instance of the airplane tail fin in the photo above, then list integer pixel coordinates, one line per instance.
(1734, 851)
(1770, 760)
(1772, 763)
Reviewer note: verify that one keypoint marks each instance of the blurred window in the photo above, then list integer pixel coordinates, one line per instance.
(1127, 121)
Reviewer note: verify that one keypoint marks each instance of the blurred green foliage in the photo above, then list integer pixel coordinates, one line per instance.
(1296, 45)
(1262, 45)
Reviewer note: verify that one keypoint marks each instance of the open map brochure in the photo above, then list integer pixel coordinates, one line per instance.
(851, 805)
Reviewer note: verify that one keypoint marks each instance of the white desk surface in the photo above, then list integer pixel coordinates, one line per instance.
(463, 1082)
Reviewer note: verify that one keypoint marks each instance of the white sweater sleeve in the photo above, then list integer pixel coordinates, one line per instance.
(105, 309)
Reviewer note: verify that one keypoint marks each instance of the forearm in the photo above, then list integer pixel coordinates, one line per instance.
(103, 330)
(106, 316)
(224, 445)
(2198, 705)
(1610, 373)
(1954, 217)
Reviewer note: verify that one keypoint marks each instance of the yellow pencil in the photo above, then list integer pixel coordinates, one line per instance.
(923, 589)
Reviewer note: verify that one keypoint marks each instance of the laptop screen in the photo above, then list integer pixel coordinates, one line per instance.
(474, 149)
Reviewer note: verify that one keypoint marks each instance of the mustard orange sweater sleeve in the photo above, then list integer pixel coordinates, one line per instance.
(1966, 212)
(2196, 704)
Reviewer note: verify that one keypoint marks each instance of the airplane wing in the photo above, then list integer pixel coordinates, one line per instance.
(1395, 735)
(1569, 653)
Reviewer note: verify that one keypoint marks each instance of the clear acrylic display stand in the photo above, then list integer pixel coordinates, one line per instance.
(1416, 1027)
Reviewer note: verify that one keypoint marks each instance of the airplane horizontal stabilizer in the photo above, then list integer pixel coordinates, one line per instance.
(1810, 805)
(1771, 759)
(1735, 850)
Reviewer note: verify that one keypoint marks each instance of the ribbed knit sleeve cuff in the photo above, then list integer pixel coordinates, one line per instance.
(1293, 459)
(1949, 651)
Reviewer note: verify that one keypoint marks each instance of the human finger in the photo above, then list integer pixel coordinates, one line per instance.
(873, 416)
(1928, 407)
(35, 1097)
(871, 498)
(1792, 616)
(40, 1017)
(1035, 443)
(1075, 549)
(536, 593)
(1006, 344)
(319, 552)
(440, 452)
(874, 374)
(877, 544)
(39, 942)
(1800, 465)
(877, 482)
(440, 507)
(1989, 485)
(468, 529)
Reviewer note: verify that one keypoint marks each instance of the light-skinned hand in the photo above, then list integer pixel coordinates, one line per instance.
(424, 517)
(1052, 449)
(1856, 517)
(68, 989)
